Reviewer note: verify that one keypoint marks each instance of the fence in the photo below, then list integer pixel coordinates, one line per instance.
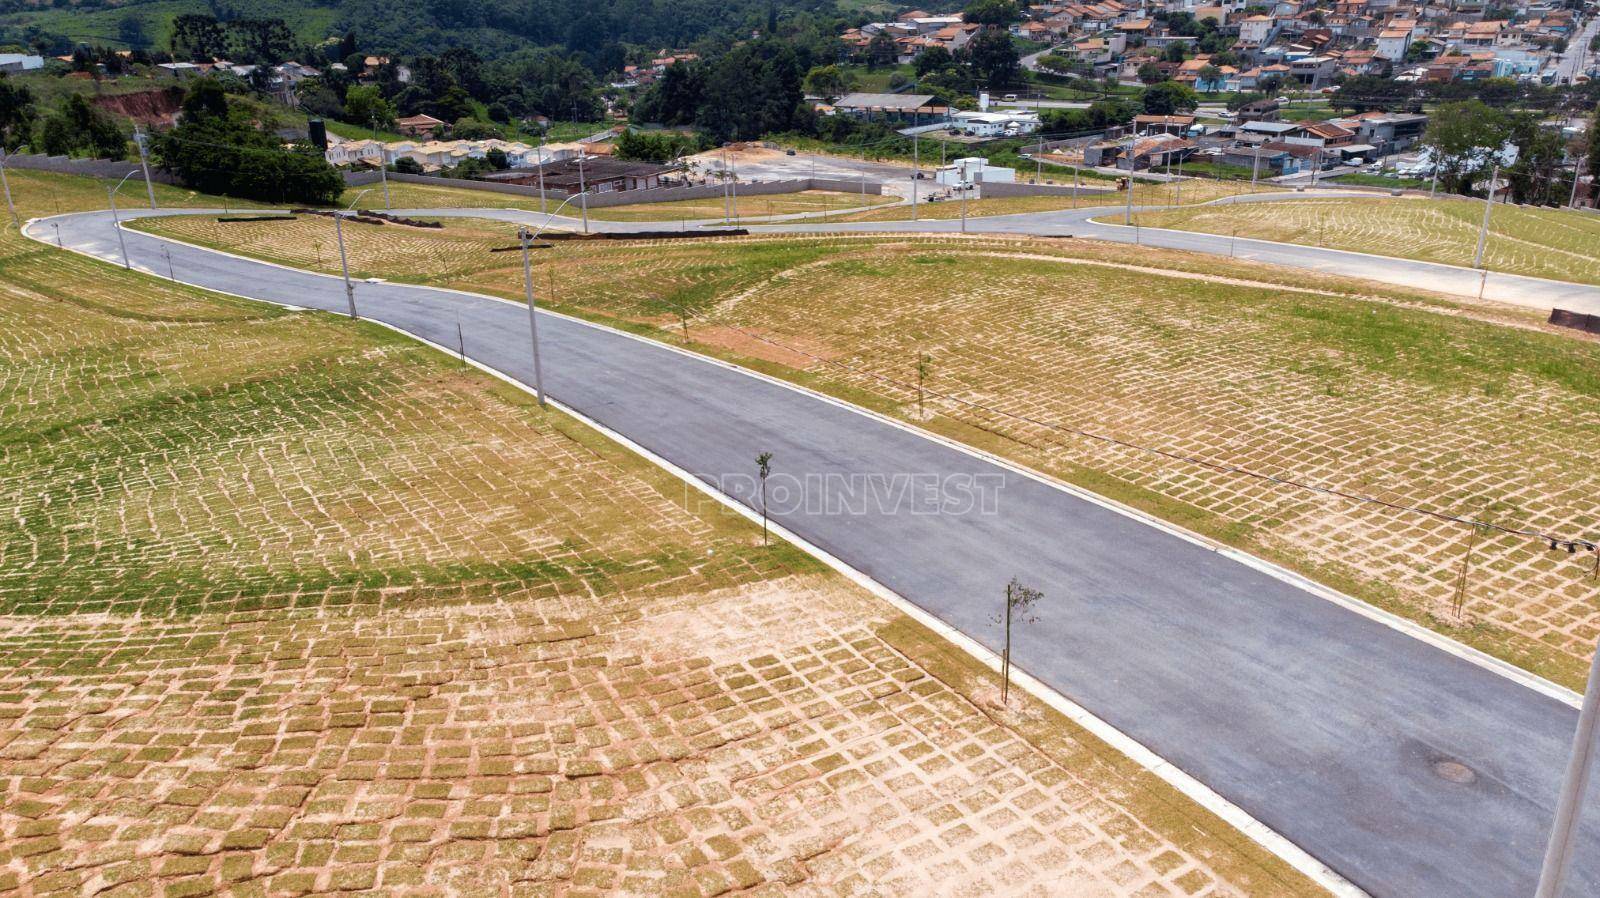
(1576, 320)
(626, 197)
(95, 168)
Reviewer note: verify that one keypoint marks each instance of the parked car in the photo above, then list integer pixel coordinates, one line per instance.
(1010, 98)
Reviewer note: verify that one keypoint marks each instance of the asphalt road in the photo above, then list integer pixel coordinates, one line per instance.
(1528, 292)
(1322, 723)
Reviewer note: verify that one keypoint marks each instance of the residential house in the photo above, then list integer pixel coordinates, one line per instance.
(418, 125)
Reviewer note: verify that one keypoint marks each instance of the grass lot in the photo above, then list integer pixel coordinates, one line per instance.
(289, 603)
(1541, 242)
(1351, 385)
(423, 196)
(746, 207)
(1184, 192)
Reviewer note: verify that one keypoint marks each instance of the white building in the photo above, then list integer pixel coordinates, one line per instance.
(20, 62)
(991, 124)
(971, 170)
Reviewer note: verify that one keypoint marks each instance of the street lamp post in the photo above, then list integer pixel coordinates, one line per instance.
(1488, 206)
(583, 191)
(527, 239)
(1569, 805)
(116, 221)
(344, 260)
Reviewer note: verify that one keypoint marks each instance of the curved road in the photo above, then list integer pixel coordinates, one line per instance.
(1325, 724)
(1529, 292)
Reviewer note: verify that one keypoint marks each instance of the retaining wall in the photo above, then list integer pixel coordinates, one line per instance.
(95, 168)
(992, 189)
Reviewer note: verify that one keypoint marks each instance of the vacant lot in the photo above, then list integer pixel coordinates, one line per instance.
(1542, 242)
(1330, 382)
(1175, 193)
(290, 604)
(817, 201)
(427, 196)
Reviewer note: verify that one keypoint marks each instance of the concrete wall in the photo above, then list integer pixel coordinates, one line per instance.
(623, 197)
(96, 168)
(991, 190)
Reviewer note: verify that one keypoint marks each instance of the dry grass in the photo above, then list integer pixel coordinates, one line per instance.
(1373, 390)
(291, 604)
(1550, 243)
(822, 201)
(1185, 192)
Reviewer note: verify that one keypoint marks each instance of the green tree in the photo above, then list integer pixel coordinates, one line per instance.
(1150, 73)
(16, 114)
(933, 59)
(364, 104)
(881, 50)
(829, 82)
(1463, 134)
(80, 127)
(993, 57)
(198, 38)
(131, 32)
(1210, 76)
(217, 147)
(1169, 98)
(997, 13)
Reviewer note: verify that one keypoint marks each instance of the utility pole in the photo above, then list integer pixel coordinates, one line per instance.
(916, 175)
(144, 163)
(116, 222)
(727, 208)
(533, 316)
(6, 184)
(344, 263)
(1255, 166)
(344, 260)
(542, 160)
(1127, 213)
(1488, 206)
(1577, 172)
(965, 186)
(1569, 804)
(383, 165)
(583, 191)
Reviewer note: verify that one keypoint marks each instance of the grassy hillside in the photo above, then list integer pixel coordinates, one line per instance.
(95, 23)
(293, 604)
(1340, 383)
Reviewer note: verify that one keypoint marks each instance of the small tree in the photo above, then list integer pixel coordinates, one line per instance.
(923, 361)
(763, 468)
(1019, 604)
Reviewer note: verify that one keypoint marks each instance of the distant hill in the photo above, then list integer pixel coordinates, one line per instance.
(595, 28)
